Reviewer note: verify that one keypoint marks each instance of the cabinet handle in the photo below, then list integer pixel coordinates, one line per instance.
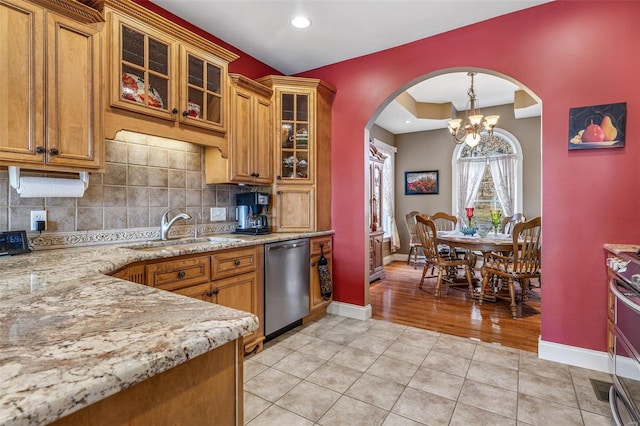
(185, 113)
(174, 111)
(215, 291)
(278, 192)
(181, 274)
(278, 177)
(257, 175)
(53, 151)
(313, 263)
(236, 262)
(40, 150)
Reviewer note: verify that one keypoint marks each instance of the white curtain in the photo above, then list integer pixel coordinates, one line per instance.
(388, 194)
(470, 172)
(503, 172)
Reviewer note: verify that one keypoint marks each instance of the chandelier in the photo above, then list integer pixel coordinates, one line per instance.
(471, 132)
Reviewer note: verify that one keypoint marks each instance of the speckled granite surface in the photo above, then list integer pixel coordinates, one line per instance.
(71, 336)
(619, 248)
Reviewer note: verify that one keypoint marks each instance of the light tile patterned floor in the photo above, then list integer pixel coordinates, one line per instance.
(341, 371)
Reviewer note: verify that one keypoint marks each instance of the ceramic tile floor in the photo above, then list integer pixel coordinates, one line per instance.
(341, 371)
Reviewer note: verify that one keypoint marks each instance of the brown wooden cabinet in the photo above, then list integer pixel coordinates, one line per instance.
(232, 278)
(163, 79)
(376, 265)
(302, 140)
(317, 304)
(250, 158)
(50, 72)
(376, 193)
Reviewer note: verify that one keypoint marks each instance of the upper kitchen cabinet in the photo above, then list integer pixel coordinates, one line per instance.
(302, 139)
(50, 83)
(250, 158)
(163, 79)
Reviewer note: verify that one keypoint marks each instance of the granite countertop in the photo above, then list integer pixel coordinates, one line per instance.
(71, 336)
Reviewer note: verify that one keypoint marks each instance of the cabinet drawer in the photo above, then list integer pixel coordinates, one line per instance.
(325, 242)
(179, 273)
(226, 264)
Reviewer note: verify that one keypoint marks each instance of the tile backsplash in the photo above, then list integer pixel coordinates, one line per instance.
(144, 177)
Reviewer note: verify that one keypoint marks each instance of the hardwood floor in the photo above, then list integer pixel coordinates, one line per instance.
(398, 299)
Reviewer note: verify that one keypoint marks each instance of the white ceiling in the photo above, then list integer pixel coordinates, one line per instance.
(346, 29)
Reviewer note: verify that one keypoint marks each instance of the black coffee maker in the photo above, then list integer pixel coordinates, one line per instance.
(250, 209)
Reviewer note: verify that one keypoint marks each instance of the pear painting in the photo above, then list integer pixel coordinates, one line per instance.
(599, 126)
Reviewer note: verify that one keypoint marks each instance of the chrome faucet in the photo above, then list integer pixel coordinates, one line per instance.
(166, 224)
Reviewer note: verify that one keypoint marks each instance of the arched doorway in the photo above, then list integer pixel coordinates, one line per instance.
(441, 160)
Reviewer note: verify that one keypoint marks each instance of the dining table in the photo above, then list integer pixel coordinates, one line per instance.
(491, 242)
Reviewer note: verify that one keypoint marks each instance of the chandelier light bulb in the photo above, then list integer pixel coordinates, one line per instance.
(472, 139)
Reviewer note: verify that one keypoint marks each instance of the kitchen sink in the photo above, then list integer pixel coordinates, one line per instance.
(179, 242)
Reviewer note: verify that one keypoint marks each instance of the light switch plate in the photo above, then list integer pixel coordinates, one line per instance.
(218, 214)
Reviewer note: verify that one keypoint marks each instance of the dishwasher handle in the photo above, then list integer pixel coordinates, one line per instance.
(288, 246)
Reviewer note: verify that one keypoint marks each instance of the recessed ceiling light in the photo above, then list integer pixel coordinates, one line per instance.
(301, 22)
(407, 121)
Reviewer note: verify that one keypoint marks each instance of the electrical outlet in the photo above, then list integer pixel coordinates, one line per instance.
(36, 216)
(218, 214)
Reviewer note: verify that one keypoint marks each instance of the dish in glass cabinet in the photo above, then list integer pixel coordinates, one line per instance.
(133, 90)
(193, 109)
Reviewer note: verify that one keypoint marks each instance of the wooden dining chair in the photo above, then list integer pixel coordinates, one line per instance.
(521, 266)
(428, 235)
(510, 221)
(414, 243)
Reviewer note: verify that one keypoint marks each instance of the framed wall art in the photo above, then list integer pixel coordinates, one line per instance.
(598, 126)
(425, 182)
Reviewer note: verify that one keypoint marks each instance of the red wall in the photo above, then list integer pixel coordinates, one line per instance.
(569, 54)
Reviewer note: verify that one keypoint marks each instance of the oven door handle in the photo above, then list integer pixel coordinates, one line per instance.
(624, 299)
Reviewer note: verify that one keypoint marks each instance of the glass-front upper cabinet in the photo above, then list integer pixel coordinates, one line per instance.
(156, 75)
(295, 145)
(142, 70)
(202, 97)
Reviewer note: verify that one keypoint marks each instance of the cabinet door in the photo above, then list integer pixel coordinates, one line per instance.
(202, 89)
(74, 112)
(142, 71)
(238, 292)
(21, 80)
(241, 135)
(200, 292)
(296, 136)
(262, 146)
(295, 209)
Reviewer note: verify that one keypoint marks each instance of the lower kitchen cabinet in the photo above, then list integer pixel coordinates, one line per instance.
(232, 278)
(317, 304)
(204, 390)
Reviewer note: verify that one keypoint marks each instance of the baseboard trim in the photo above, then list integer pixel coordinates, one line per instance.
(350, 311)
(573, 355)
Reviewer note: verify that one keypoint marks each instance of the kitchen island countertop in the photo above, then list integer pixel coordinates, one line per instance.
(71, 336)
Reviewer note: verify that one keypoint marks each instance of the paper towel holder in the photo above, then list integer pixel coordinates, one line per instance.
(14, 178)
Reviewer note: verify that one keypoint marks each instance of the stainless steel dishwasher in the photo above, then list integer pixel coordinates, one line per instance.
(286, 285)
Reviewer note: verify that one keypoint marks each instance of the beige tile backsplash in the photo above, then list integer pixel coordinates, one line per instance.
(144, 177)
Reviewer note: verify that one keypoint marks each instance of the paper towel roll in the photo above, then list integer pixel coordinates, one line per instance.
(31, 187)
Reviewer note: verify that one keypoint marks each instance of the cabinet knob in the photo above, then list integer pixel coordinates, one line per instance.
(257, 175)
(313, 263)
(174, 111)
(185, 113)
(278, 177)
(236, 262)
(181, 274)
(215, 291)
(53, 151)
(40, 150)
(278, 192)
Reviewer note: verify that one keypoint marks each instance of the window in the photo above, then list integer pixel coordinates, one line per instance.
(488, 176)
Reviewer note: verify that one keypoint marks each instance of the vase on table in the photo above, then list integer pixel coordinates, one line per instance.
(496, 220)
